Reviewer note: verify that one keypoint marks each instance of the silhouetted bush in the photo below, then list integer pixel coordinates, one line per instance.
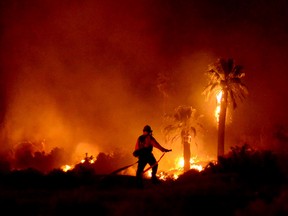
(104, 163)
(250, 164)
(26, 157)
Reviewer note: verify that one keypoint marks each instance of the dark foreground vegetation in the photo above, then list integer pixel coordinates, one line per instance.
(244, 182)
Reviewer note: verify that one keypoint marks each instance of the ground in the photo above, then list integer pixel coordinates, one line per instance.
(32, 193)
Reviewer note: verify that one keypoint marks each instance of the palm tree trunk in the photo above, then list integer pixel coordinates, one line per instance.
(221, 125)
(186, 155)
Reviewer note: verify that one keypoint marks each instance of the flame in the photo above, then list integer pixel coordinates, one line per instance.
(197, 167)
(193, 164)
(91, 161)
(176, 171)
(87, 159)
(66, 167)
(180, 162)
(218, 105)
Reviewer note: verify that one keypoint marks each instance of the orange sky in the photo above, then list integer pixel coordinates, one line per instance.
(85, 72)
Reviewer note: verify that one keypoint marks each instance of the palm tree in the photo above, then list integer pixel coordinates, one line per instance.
(225, 76)
(183, 123)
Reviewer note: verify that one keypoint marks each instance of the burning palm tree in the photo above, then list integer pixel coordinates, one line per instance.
(183, 123)
(225, 83)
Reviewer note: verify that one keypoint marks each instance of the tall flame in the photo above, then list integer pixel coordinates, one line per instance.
(218, 105)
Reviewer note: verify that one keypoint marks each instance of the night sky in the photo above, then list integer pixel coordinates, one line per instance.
(84, 74)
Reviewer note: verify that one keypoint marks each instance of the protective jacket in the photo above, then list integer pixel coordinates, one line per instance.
(145, 144)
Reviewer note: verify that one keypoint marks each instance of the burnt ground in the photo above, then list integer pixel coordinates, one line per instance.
(29, 192)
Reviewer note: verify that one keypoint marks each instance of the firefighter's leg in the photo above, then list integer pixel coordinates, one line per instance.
(153, 163)
(139, 173)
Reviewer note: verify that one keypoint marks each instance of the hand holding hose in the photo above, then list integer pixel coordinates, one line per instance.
(167, 150)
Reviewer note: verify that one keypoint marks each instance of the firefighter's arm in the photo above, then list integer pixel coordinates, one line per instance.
(157, 145)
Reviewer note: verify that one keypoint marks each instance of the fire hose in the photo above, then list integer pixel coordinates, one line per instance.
(123, 168)
(126, 167)
(154, 163)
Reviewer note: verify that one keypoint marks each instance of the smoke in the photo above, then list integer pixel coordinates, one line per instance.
(72, 66)
(85, 75)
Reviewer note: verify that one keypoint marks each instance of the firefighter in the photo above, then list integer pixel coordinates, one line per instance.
(143, 150)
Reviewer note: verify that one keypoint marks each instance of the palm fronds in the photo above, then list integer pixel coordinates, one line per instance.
(226, 74)
(184, 118)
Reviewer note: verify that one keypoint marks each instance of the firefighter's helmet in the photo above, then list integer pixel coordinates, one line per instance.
(147, 128)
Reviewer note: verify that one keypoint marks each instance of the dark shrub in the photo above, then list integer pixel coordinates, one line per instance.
(249, 164)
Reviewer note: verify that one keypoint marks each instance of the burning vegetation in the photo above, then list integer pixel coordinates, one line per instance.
(105, 164)
(31, 155)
